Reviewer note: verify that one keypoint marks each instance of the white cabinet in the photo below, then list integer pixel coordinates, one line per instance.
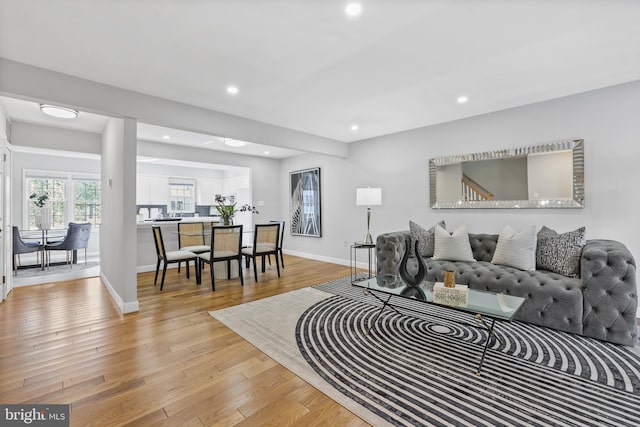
(207, 190)
(159, 190)
(152, 190)
(142, 190)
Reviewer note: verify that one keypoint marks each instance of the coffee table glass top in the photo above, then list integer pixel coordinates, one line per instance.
(498, 306)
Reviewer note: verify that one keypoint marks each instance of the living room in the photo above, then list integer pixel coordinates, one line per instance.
(603, 114)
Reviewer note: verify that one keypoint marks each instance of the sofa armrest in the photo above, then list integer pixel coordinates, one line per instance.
(608, 273)
(389, 251)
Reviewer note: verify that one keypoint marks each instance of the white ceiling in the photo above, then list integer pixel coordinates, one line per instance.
(29, 112)
(304, 65)
(147, 132)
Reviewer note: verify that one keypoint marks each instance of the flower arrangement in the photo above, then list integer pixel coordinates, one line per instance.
(227, 207)
(40, 200)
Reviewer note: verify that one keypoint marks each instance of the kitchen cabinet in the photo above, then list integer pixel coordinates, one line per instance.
(152, 190)
(207, 190)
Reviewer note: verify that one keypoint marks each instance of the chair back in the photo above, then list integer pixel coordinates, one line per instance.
(281, 232)
(19, 246)
(226, 241)
(265, 238)
(190, 234)
(77, 237)
(157, 239)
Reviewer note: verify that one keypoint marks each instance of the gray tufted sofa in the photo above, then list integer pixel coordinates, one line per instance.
(601, 303)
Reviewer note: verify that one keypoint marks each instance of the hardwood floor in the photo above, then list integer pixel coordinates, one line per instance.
(168, 364)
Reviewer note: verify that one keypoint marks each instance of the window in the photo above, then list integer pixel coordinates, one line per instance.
(182, 195)
(55, 189)
(87, 198)
(73, 197)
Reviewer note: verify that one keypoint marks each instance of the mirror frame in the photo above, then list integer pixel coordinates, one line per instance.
(576, 145)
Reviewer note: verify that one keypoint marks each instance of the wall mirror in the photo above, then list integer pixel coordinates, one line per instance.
(539, 176)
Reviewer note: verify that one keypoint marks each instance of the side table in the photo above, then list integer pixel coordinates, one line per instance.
(353, 263)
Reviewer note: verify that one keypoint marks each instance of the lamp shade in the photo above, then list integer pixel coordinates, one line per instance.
(368, 196)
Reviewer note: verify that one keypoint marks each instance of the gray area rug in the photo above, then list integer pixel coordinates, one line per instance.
(418, 368)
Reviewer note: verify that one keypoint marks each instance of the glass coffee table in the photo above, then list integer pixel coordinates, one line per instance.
(482, 304)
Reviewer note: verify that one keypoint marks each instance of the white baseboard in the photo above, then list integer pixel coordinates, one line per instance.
(340, 261)
(318, 257)
(129, 307)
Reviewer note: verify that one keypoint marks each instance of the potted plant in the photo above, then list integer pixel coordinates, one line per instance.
(43, 219)
(227, 207)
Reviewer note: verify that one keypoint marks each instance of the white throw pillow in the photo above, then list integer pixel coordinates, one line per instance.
(516, 249)
(454, 246)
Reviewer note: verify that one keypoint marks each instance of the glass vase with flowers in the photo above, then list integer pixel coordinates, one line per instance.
(43, 216)
(227, 207)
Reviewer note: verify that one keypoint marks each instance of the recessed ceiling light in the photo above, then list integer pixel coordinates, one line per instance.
(234, 142)
(462, 99)
(166, 137)
(355, 127)
(233, 90)
(266, 152)
(353, 9)
(59, 112)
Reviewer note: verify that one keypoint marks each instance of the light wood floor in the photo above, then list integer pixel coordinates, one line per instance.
(169, 364)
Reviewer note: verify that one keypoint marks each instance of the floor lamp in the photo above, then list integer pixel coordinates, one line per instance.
(368, 197)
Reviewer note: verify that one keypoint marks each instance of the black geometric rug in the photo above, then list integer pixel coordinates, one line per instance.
(418, 368)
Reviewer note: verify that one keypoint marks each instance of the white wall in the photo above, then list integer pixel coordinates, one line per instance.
(118, 233)
(3, 123)
(49, 137)
(607, 119)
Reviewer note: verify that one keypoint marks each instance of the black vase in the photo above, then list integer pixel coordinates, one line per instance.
(409, 279)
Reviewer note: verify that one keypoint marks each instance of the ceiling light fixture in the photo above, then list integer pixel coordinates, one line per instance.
(355, 127)
(353, 9)
(232, 90)
(462, 99)
(59, 112)
(234, 142)
(266, 152)
(166, 137)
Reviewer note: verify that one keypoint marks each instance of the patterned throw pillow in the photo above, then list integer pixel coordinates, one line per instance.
(424, 237)
(560, 253)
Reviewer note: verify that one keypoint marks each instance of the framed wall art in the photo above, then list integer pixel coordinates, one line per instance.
(304, 190)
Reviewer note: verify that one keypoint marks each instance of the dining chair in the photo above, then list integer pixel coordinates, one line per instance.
(191, 238)
(226, 245)
(265, 243)
(77, 237)
(280, 239)
(22, 247)
(171, 257)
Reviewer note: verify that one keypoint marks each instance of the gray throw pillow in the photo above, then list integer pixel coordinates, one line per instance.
(516, 249)
(453, 246)
(560, 253)
(424, 237)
